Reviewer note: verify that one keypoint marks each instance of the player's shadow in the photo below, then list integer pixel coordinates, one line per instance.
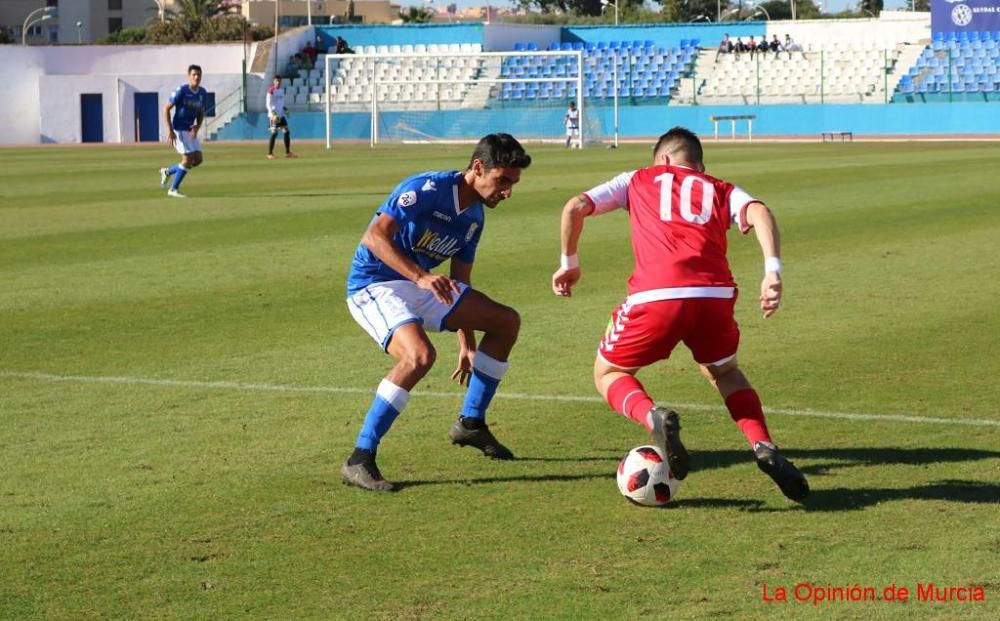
(850, 499)
(545, 478)
(838, 458)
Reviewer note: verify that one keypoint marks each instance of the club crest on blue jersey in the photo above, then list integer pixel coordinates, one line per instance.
(406, 199)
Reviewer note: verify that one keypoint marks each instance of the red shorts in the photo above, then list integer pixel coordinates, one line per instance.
(641, 334)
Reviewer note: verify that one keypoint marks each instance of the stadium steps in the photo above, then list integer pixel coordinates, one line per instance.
(704, 70)
(908, 57)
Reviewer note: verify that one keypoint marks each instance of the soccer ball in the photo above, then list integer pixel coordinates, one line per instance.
(645, 478)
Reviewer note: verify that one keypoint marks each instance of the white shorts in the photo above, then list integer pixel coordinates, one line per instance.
(382, 307)
(186, 143)
(572, 131)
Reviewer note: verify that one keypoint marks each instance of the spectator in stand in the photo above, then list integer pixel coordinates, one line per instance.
(751, 46)
(791, 45)
(762, 47)
(776, 45)
(740, 47)
(321, 46)
(307, 63)
(310, 52)
(342, 47)
(725, 47)
(292, 68)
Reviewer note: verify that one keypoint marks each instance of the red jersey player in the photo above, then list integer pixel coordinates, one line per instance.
(681, 290)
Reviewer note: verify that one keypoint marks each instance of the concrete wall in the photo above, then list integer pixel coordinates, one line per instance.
(502, 37)
(644, 121)
(60, 120)
(399, 35)
(665, 35)
(36, 109)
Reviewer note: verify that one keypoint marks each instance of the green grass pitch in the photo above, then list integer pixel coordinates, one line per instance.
(181, 380)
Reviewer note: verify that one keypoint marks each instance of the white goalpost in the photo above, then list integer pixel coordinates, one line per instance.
(454, 94)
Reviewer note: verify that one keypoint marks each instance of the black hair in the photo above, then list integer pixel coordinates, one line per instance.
(194, 68)
(276, 77)
(500, 151)
(680, 140)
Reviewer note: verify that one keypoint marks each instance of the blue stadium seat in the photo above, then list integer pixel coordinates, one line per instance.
(566, 46)
(602, 45)
(615, 45)
(588, 46)
(553, 46)
(518, 47)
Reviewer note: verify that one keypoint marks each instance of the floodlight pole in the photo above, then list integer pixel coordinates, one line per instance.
(614, 4)
(28, 23)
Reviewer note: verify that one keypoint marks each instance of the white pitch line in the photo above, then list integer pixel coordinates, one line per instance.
(145, 381)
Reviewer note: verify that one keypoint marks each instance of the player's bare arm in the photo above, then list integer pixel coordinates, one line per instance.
(766, 229)
(571, 227)
(171, 136)
(378, 239)
(197, 125)
(462, 272)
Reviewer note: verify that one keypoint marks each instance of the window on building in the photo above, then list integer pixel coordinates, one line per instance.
(52, 3)
(53, 34)
(114, 5)
(114, 24)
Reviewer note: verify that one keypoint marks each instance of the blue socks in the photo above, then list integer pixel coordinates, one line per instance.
(486, 375)
(389, 401)
(178, 172)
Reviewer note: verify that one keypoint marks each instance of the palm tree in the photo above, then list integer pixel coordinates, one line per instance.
(416, 15)
(200, 9)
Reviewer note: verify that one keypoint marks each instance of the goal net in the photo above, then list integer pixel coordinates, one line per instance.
(457, 94)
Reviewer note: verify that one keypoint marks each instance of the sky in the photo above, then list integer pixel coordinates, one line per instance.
(832, 6)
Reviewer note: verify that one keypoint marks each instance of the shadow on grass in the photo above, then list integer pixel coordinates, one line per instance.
(850, 499)
(845, 457)
(847, 499)
(546, 478)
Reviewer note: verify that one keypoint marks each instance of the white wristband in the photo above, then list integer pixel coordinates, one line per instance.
(569, 262)
(772, 264)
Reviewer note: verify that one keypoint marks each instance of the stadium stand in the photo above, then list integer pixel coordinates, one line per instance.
(841, 74)
(647, 72)
(351, 88)
(962, 63)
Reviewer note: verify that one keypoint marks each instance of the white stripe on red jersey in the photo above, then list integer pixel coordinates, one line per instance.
(679, 219)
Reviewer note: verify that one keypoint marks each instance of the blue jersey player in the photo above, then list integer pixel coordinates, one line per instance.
(428, 219)
(188, 103)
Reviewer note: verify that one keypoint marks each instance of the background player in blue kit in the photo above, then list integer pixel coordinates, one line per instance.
(188, 102)
(429, 218)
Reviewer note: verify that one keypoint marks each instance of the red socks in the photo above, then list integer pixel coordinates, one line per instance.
(627, 396)
(744, 406)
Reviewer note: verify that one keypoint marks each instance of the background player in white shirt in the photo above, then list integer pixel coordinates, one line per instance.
(572, 122)
(681, 290)
(277, 117)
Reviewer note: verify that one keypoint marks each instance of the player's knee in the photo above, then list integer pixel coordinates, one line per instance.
(510, 323)
(420, 360)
